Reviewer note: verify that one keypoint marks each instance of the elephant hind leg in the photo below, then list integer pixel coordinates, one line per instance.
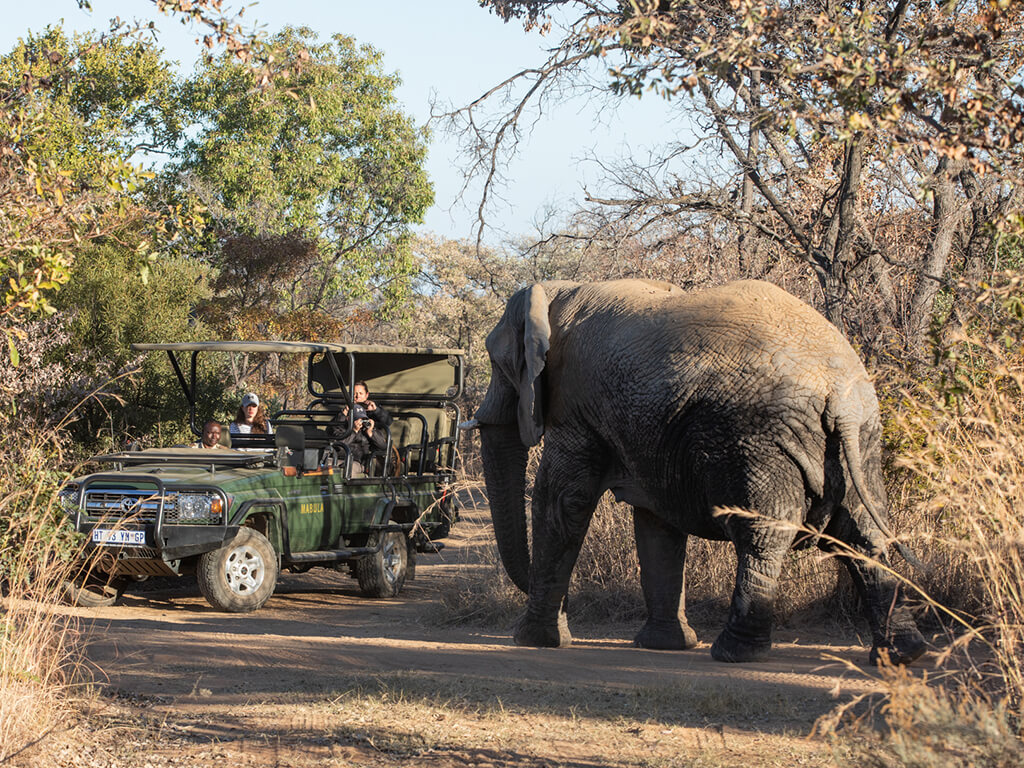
(763, 530)
(895, 636)
(662, 553)
(748, 633)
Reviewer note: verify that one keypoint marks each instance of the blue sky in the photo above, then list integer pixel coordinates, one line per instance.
(449, 49)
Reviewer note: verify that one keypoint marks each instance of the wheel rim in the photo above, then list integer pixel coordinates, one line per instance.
(391, 558)
(244, 570)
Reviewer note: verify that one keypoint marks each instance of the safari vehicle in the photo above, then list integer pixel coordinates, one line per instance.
(292, 500)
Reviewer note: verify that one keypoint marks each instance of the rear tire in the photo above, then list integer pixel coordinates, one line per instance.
(94, 590)
(383, 573)
(240, 576)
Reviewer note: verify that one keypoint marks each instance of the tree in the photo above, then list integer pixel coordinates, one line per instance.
(106, 308)
(72, 111)
(846, 126)
(325, 155)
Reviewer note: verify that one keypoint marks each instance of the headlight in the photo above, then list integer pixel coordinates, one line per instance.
(67, 498)
(194, 506)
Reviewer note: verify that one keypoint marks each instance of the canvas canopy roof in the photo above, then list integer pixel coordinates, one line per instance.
(411, 375)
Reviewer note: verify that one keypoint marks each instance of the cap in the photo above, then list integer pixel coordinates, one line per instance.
(358, 412)
(250, 399)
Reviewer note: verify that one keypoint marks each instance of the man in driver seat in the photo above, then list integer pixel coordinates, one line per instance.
(211, 435)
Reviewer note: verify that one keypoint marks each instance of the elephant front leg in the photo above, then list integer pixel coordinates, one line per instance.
(662, 553)
(565, 493)
(536, 629)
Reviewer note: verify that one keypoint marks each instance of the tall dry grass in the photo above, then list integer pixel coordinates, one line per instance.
(40, 645)
(962, 443)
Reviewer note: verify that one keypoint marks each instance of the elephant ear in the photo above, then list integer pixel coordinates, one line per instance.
(536, 342)
(518, 347)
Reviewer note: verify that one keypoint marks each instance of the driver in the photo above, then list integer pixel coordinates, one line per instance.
(211, 435)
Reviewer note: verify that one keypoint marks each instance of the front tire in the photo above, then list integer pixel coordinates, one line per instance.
(382, 574)
(240, 576)
(94, 590)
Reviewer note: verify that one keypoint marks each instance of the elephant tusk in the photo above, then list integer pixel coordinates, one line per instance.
(469, 424)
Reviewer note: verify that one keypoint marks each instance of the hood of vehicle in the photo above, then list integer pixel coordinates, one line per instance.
(229, 479)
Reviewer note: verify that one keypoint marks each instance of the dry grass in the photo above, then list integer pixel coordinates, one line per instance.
(960, 451)
(924, 723)
(415, 717)
(604, 726)
(40, 661)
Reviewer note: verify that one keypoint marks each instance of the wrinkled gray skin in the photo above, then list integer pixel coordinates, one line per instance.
(718, 414)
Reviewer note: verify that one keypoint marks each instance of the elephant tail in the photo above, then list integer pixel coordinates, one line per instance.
(849, 437)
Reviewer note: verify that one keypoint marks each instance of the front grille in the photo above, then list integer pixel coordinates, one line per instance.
(141, 507)
(129, 506)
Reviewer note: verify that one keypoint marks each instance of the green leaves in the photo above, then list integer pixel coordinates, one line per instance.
(319, 153)
(12, 350)
(75, 111)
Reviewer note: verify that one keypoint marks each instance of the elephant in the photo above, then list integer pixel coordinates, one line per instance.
(736, 412)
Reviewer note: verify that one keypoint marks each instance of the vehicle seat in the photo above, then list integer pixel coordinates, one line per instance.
(440, 429)
(407, 438)
(292, 451)
(225, 436)
(407, 435)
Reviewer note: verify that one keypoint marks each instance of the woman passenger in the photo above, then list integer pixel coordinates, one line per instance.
(251, 418)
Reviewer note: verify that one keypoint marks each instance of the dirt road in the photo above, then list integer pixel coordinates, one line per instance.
(321, 675)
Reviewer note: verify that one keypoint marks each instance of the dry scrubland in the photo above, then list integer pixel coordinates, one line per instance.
(876, 165)
(956, 487)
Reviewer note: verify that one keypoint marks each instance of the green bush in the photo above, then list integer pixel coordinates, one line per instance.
(108, 308)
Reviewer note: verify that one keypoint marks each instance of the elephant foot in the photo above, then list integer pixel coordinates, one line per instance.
(730, 648)
(901, 649)
(666, 637)
(535, 634)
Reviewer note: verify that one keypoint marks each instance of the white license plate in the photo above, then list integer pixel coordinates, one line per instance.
(119, 536)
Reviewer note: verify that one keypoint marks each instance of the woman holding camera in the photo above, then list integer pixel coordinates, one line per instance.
(364, 440)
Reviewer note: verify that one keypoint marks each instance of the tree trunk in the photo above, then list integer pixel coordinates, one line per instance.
(838, 241)
(947, 216)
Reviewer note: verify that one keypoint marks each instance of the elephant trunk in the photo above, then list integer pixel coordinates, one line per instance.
(504, 458)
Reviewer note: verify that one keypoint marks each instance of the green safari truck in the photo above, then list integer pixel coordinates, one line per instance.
(236, 516)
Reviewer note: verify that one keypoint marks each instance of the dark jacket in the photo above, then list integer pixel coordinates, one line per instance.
(361, 446)
(380, 415)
